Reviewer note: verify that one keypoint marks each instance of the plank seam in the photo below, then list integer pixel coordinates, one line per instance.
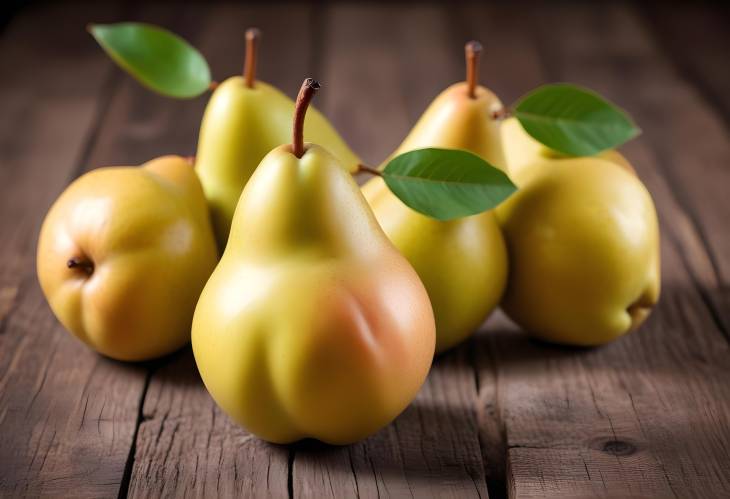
(129, 464)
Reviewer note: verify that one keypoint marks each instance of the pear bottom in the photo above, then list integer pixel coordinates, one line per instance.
(315, 351)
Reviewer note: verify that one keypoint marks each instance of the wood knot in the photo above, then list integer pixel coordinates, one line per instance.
(614, 447)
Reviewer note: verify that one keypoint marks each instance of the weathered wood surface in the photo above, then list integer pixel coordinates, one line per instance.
(648, 416)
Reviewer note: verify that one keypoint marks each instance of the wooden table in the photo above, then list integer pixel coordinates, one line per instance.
(647, 416)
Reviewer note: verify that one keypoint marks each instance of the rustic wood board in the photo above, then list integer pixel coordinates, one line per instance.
(67, 417)
(629, 418)
(648, 416)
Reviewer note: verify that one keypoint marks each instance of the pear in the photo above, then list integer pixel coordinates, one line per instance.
(123, 255)
(583, 243)
(462, 262)
(312, 324)
(244, 120)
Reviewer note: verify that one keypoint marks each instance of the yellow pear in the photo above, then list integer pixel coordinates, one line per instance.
(123, 255)
(244, 120)
(583, 242)
(312, 324)
(462, 262)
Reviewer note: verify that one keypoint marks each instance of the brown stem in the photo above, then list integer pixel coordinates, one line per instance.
(309, 88)
(253, 35)
(81, 263)
(501, 114)
(367, 169)
(472, 49)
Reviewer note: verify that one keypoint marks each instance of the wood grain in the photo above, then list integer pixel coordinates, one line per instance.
(626, 419)
(67, 416)
(647, 416)
(693, 143)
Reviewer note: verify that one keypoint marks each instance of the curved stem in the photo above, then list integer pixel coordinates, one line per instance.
(473, 49)
(309, 88)
(253, 35)
(81, 263)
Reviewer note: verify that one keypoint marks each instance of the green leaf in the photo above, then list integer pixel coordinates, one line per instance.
(446, 183)
(157, 58)
(573, 120)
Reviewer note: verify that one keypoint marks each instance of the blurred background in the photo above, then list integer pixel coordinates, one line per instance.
(380, 63)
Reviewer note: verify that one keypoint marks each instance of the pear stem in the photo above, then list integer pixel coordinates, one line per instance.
(473, 49)
(309, 88)
(81, 263)
(253, 35)
(367, 169)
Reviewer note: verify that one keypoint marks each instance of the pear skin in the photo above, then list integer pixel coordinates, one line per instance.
(312, 325)
(123, 255)
(583, 242)
(240, 126)
(463, 262)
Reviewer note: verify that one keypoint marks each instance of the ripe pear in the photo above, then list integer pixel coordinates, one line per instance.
(583, 242)
(123, 255)
(244, 120)
(462, 262)
(312, 324)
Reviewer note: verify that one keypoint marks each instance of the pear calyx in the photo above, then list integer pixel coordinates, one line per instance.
(309, 88)
(253, 35)
(81, 263)
(472, 49)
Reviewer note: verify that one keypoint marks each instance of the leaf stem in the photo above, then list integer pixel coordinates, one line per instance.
(309, 88)
(473, 49)
(253, 35)
(367, 169)
(502, 114)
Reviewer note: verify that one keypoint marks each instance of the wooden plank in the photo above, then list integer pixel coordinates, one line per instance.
(510, 67)
(67, 416)
(695, 39)
(383, 67)
(186, 445)
(646, 416)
